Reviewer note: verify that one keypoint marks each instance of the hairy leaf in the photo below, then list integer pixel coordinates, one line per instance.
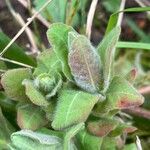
(12, 83)
(34, 94)
(120, 95)
(85, 64)
(58, 38)
(109, 143)
(28, 119)
(70, 134)
(102, 127)
(73, 107)
(27, 139)
(122, 128)
(49, 110)
(131, 146)
(47, 62)
(71, 37)
(48, 84)
(88, 141)
(106, 50)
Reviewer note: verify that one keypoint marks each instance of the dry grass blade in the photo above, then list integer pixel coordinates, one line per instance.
(28, 31)
(16, 62)
(39, 17)
(24, 27)
(120, 17)
(138, 143)
(90, 17)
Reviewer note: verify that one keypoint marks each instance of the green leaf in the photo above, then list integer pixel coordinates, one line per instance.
(47, 62)
(114, 17)
(88, 141)
(47, 131)
(7, 104)
(120, 95)
(133, 45)
(12, 83)
(102, 127)
(28, 119)
(123, 95)
(106, 50)
(109, 143)
(122, 128)
(56, 88)
(49, 110)
(70, 134)
(48, 84)
(84, 63)
(5, 131)
(27, 139)
(14, 51)
(58, 37)
(34, 94)
(71, 108)
(71, 37)
(131, 146)
(55, 12)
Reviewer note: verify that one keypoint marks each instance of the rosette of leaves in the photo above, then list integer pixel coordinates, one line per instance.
(72, 93)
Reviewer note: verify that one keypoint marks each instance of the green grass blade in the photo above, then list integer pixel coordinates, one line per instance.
(133, 45)
(114, 17)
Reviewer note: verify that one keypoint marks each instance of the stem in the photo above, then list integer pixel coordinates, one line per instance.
(138, 111)
(144, 90)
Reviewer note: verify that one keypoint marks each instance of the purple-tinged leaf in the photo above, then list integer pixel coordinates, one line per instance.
(84, 63)
(102, 127)
(120, 95)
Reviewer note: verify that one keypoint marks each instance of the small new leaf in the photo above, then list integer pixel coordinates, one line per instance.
(84, 63)
(47, 62)
(73, 107)
(12, 83)
(34, 94)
